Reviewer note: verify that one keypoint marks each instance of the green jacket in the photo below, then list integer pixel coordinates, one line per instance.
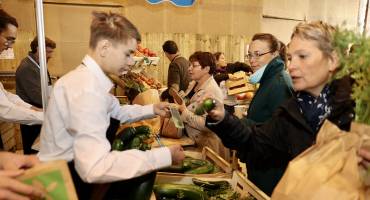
(275, 87)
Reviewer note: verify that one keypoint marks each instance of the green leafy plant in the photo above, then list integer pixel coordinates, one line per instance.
(355, 62)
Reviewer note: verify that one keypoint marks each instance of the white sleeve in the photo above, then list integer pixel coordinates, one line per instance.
(94, 161)
(13, 110)
(131, 113)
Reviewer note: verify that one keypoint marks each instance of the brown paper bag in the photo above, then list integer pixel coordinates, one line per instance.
(52, 177)
(169, 129)
(328, 170)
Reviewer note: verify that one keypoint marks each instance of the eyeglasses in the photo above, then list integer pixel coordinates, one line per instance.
(256, 55)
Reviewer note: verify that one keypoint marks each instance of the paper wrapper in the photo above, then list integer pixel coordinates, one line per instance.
(329, 169)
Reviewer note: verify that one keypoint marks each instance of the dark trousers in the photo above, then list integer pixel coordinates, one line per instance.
(29, 135)
(139, 188)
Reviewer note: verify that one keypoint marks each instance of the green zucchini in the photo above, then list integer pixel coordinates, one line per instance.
(117, 145)
(179, 191)
(143, 129)
(211, 185)
(127, 134)
(191, 163)
(135, 143)
(205, 169)
(173, 169)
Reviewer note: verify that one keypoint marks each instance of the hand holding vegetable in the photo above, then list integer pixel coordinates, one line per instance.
(177, 154)
(214, 107)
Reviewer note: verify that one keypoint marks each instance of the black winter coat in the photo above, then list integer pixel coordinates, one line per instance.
(273, 144)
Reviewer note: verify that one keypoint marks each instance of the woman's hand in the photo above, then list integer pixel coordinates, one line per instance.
(218, 112)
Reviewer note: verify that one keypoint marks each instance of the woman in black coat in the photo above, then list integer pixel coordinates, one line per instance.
(295, 124)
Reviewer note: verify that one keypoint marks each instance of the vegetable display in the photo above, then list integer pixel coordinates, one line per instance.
(201, 190)
(133, 138)
(193, 166)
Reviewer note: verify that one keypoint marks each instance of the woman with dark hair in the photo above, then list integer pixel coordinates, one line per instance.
(269, 147)
(265, 55)
(220, 62)
(203, 65)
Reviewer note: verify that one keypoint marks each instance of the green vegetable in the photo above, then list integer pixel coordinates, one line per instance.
(127, 134)
(191, 163)
(211, 184)
(209, 104)
(143, 130)
(135, 143)
(205, 169)
(174, 169)
(117, 145)
(356, 63)
(199, 110)
(179, 191)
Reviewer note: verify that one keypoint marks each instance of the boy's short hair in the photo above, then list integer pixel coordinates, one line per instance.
(113, 27)
(48, 43)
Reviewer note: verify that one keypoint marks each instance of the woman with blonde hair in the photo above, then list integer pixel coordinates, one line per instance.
(295, 124)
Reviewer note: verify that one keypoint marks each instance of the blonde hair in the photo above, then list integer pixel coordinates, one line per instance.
(111, 26)
(318, 31)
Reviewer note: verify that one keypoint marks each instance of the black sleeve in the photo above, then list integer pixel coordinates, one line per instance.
(221, 77)
(253, 142)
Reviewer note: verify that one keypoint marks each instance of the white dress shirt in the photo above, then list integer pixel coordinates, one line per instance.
(76, 122)
(14, 109)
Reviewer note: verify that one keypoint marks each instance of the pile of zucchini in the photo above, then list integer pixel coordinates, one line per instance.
(133, 138)
(192, 166)
(201, 190)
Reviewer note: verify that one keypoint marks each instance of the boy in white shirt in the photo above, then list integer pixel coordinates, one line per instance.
(81, 106)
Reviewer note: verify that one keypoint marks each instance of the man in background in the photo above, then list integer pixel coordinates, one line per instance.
(178, 75)
(28, 88)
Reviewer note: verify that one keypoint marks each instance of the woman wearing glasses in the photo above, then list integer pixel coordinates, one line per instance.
(295, 124)
(266, 56)
(203, 65)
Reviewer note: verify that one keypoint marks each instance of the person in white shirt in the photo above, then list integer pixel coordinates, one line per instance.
(81, 106)
(13, 109)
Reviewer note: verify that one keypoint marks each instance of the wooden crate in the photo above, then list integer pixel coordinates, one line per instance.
(209, 154)
(7, 131)
(238, 182)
